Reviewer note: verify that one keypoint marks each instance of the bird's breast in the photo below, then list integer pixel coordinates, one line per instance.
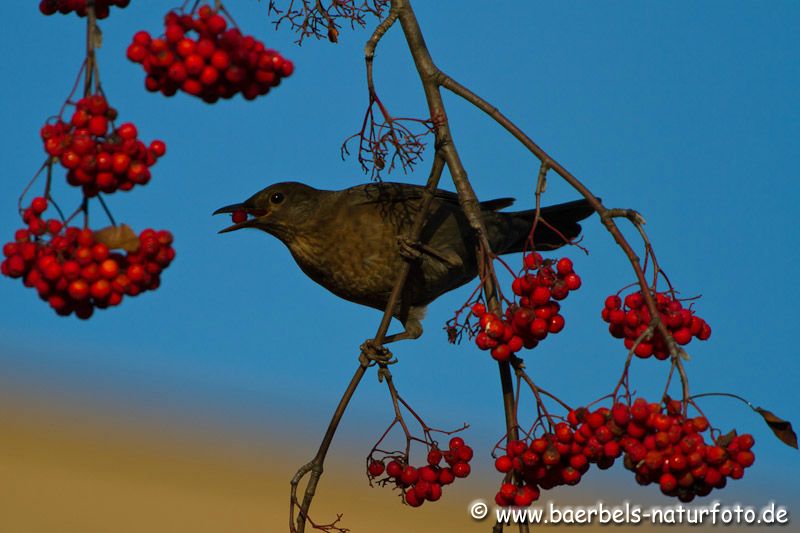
(355, 265)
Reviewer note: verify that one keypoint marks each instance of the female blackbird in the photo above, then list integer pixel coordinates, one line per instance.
(351, 241)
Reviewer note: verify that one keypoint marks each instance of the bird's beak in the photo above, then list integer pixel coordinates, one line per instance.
(251, 212)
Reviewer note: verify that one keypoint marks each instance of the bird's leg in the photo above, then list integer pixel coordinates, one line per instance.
(413, 330)
(412, 251)
(411, 318)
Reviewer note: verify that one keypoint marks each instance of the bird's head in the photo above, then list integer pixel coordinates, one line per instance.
(280, 209)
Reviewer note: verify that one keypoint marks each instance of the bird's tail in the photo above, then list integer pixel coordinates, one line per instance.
(557, 225)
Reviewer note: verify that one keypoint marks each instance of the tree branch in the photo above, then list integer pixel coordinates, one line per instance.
(315, 466)
(431, 78)
(606, 215)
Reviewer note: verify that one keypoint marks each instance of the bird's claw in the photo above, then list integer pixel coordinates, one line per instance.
(408, 249)
(413, 250)
(377, 353)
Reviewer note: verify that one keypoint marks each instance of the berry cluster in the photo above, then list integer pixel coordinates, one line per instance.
(537, 313)
(426, 482)
(74, 272)
(668, 449)
(631, 320)
(217, 63)
(101, 7)
(664, 448)
(556, 458)
(99, 157)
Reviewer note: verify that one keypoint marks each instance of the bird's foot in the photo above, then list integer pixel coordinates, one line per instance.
(376, 353)
(409, 250)
(413, 250)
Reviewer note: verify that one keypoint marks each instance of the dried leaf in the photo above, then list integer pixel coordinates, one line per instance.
(726, 439)
(333, 34)
(120, 237)
(782, 428)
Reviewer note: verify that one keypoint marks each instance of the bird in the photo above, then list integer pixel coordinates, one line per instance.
(352, 241)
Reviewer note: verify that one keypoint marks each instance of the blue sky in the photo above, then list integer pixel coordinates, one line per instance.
(686, 111)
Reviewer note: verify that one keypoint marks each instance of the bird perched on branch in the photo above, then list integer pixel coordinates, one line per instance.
(352, 241)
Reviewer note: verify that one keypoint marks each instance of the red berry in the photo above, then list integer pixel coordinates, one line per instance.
(446, 476)
(412, 498)
(461, 469)
(127, 131)
(501, 353)
(434, 492)
(532, 260)
(539, 328)
(39, 205)
(564, 266)
(634, 300)
(158, 148)
(216, 24)
(503, 464)
(572, 282)
(100, 289)
(668, 483)
(98, 125)
(394, 469)
(426, 473)
(540, 295)
(238, 216)
(434, 456)
(745, 441)
(556, 324)
(409, 475)
(79, 289)
(375, 468)
(621, 414)
(456, 442)
(464, 453)
(745, 458)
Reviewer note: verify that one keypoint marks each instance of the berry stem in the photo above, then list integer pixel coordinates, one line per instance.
(723, 394)
(92, 41)
(521, 374)
(105, 208)
(20, 201)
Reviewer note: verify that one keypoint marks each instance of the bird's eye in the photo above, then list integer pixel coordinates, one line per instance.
(276, 198)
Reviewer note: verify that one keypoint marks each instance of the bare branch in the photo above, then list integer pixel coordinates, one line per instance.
(318, 19)
(315, 466)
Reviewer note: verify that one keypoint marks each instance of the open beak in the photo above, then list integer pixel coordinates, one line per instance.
(252, 216)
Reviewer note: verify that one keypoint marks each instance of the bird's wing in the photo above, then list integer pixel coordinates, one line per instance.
(389, 192)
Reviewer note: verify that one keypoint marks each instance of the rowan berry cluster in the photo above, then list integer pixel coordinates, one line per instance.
(660, 447)
(74, 272)
(426, 482)
(218, 62)
(98, 156)
(536, 315)
(560, 457)
(630, 319)
(668, 448)
(81, 7)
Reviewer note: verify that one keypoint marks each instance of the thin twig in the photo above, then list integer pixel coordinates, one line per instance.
(315, 466)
